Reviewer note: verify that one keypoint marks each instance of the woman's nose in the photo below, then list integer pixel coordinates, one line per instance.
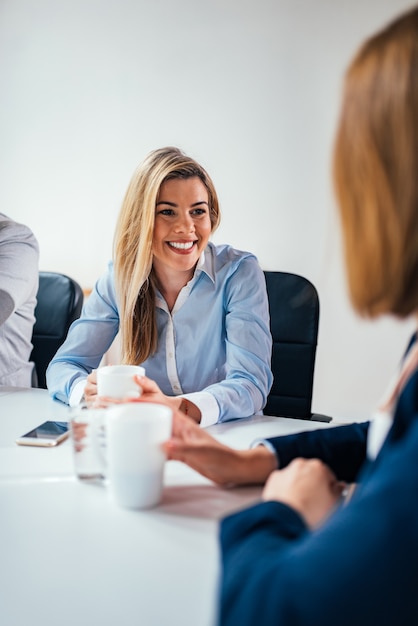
(184, 223)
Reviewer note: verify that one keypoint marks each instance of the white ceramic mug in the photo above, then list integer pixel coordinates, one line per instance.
(135, 458)
(117, 381)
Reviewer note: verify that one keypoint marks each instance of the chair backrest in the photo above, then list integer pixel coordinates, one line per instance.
(294, 319)
(59, 303)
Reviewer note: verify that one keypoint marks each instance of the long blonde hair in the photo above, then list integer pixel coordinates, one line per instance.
(376, 171)
(132, 247)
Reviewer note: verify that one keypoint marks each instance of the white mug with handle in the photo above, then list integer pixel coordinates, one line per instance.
(117, 381)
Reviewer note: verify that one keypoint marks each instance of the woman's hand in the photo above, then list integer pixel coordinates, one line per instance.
(197, 448)
(90, 390)
(306, 485)
(223, 465)
(152, 393)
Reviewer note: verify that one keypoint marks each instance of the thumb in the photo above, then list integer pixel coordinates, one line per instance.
(147, 385)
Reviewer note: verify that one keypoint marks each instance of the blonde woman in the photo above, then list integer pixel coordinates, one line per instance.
(195, 315)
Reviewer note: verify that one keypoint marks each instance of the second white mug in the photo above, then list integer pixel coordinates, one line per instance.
(135, 458)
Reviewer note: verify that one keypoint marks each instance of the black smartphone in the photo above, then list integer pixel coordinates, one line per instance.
(45, 435)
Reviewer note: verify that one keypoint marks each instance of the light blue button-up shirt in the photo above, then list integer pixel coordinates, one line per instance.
(214, 348)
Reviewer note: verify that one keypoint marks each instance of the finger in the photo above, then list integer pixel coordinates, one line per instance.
(147, 385)
(183, 425)
(169, 448)
(175, 451)
(92, 377)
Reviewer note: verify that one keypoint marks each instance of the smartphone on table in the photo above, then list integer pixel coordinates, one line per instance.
(46, 435)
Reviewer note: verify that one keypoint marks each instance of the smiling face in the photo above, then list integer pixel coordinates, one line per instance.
(182, 227)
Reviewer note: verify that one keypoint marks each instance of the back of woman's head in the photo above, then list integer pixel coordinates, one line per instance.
(376, 171)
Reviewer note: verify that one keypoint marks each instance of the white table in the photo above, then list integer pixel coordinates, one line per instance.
(69, 556)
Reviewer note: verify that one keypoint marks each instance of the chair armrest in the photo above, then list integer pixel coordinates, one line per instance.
(318, 417)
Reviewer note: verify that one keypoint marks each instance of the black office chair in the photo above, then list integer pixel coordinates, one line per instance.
(294, 320)
(60, 300)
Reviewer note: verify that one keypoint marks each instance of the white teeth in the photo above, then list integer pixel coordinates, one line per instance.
(181, 246)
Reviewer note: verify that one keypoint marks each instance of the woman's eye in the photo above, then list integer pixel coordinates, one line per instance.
(199, 212)
(166, 212)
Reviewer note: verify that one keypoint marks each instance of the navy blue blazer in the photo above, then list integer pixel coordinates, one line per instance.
(361, 567)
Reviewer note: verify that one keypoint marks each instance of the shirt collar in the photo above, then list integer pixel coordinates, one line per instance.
(205, 264)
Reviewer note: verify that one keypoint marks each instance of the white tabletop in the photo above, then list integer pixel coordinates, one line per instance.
(69, 556)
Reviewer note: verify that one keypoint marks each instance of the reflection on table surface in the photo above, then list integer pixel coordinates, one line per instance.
(70, 555)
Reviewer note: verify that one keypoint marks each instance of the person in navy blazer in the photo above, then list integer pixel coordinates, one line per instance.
(307, 554)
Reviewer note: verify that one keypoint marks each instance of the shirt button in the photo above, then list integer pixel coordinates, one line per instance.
(170, 354)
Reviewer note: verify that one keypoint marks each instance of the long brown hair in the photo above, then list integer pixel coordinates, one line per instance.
(132, 249)
(376, 171)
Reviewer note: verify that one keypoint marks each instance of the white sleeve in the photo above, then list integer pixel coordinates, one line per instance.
(207, 405)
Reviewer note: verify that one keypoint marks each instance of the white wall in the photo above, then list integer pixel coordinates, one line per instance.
(249, 88)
